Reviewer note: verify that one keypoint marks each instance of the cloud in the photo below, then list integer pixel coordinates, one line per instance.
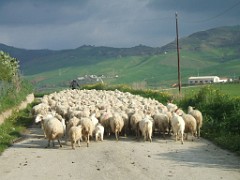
(61, 24)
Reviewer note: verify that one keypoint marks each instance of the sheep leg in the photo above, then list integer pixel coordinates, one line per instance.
(96, 137)
(88, 140)
(198, 132)
(116, 136)
(73, 144)
(182, 138)
(53, 144)
(48, 145)
(176, 136)
(59, 143)
(79, 143)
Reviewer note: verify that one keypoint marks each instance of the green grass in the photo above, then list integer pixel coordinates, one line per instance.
(230, 89)
(13, 127)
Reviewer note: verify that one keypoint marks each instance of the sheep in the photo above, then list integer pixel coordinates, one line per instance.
(161, 122)
(198, 116)
(178, 126)
(42, 119)
(75, 135)
(145, 127)
(134, 119)
(116, 124)
(74, 121)
(105, 121)
(94, 119)
(99, 132)
(87, 128)
(41, 108)
(171, 107)
(53, 127)
(190, 124)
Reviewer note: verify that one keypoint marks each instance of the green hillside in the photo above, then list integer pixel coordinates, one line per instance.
(212, 52)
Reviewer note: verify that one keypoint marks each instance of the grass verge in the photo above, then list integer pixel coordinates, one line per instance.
(13, 128)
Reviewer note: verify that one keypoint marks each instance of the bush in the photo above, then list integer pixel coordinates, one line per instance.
(221, 116)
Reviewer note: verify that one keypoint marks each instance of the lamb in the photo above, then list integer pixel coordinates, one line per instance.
(99, 132)
(87, 128)
(178, 126)
(54, 129)
(198, 116)
(145, 127)
(75, 135)
(116, 124)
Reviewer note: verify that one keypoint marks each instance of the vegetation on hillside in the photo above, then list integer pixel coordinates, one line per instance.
(211, 52)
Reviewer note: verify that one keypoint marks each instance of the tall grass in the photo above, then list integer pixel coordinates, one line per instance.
(10, 97)
(14, 127)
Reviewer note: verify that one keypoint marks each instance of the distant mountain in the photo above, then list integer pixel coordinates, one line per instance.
(211, 52)
(36, 61)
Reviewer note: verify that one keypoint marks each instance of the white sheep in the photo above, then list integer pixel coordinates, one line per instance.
(94, 119)
(53, 127)
(99, 132)
(190, 124)
(134, 119)
(198, 116)
(87, 128)
(161, 123)
(116, 124)
(145, 127)
(171, 107)
(75, 135)
(105, 121)
(178, 126)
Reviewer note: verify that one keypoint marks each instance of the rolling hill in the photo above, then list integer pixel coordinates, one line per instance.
(211, 52)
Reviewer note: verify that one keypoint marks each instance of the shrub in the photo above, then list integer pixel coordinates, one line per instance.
(221, 115)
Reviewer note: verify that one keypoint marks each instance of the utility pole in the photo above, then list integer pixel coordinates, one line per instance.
(178, 55)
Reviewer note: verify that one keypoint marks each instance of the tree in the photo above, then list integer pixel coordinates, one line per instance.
(9, 70)
(9, 67)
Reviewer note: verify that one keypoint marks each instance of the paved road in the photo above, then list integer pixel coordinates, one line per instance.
(126, 159)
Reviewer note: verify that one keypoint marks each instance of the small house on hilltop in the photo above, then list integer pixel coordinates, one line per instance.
(206, 80)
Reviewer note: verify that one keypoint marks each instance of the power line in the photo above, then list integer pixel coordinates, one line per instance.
(218, 15)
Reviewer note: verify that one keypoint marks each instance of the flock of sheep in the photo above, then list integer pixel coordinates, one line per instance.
(78, 115)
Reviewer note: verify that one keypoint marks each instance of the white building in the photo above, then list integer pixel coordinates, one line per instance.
(205, 80)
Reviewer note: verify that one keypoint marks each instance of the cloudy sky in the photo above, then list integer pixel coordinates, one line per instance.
(67, 24)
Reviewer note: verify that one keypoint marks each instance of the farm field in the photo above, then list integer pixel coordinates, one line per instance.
(232, 90)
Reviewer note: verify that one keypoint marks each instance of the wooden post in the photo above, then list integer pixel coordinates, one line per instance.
(178, 55)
